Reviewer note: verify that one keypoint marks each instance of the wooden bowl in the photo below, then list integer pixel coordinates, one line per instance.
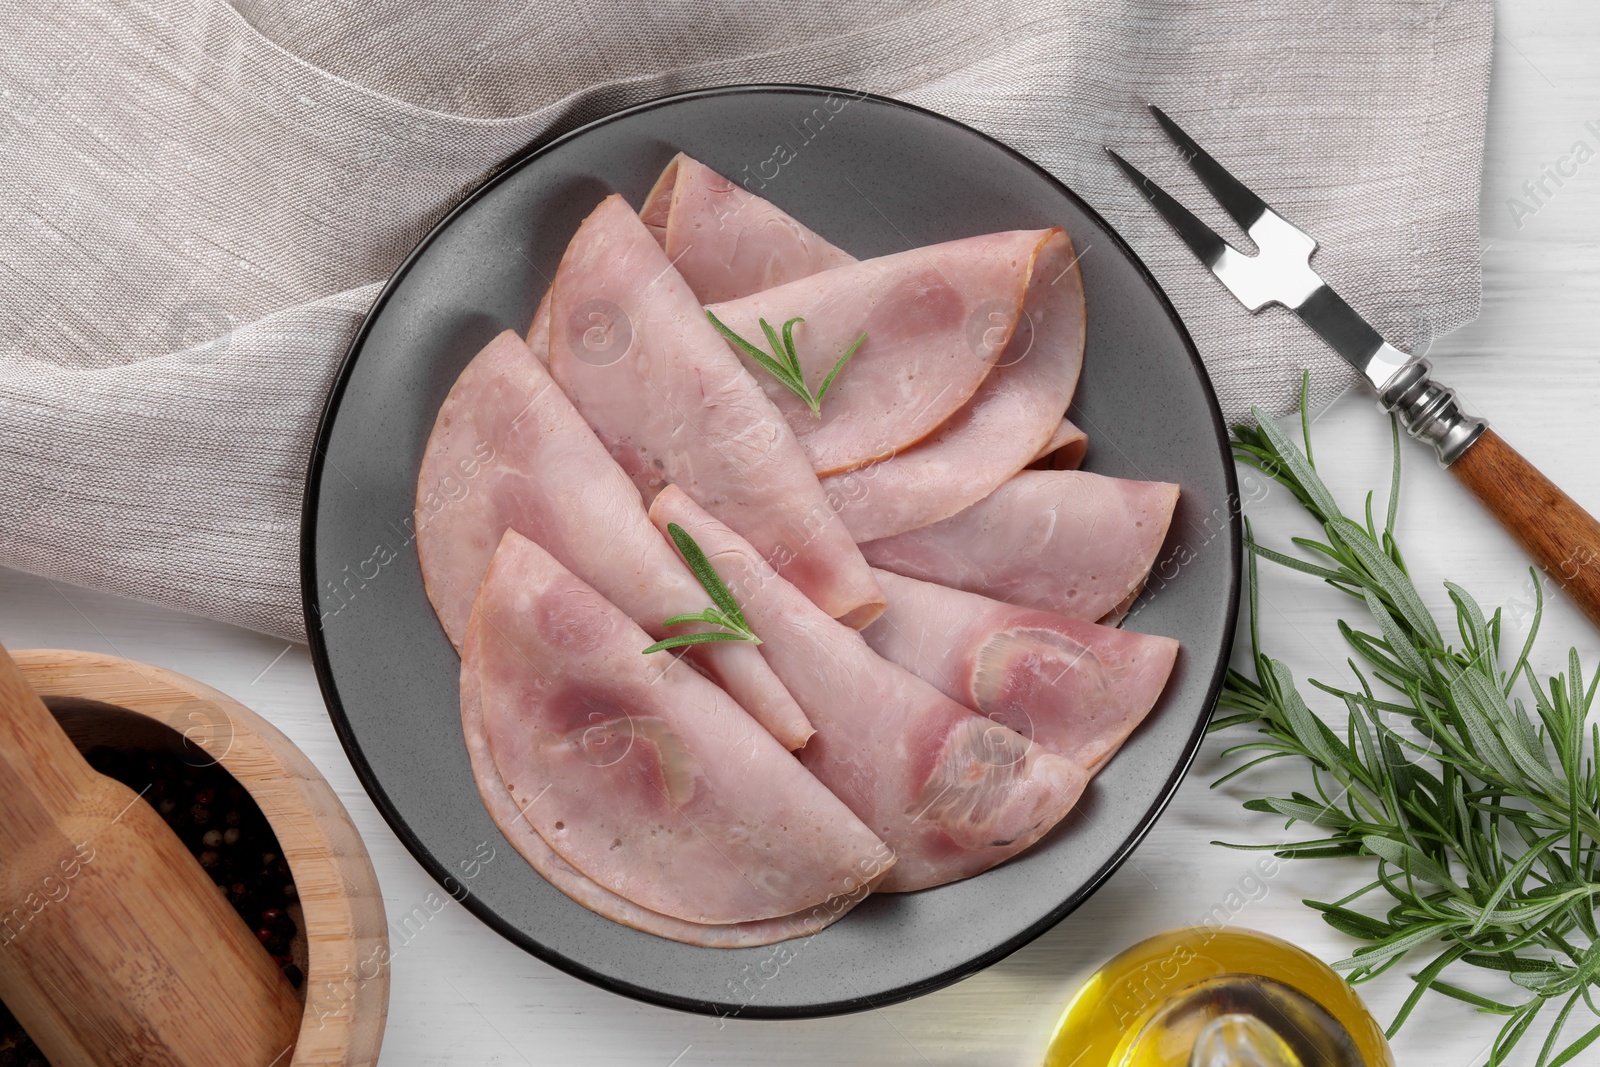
(106, 700)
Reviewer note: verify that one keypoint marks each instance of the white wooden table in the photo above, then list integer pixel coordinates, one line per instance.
(461, 995)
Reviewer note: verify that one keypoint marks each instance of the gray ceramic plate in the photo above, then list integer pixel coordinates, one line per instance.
(875, 177)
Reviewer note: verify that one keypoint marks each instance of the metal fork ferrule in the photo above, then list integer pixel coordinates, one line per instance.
(1429, 411)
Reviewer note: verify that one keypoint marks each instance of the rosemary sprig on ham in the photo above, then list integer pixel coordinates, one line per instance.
(724, 611)
(782, 362)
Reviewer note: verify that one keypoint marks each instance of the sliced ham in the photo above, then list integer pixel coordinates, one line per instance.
(728, 242)
(1070, 542)
(937, 320)
(649, 781)
(950, 792)
(1008, 421)
(507, 815)
(508, 451)
(1075, 687)
(1065, 449)
(631, 346)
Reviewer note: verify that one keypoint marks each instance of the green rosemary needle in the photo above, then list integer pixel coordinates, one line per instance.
(1483, 820)
(724, 611)
(782, 363)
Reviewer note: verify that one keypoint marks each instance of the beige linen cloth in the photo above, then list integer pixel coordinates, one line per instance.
(199, 200)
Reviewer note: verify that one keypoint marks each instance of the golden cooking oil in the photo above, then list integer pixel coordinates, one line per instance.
(1203, 997)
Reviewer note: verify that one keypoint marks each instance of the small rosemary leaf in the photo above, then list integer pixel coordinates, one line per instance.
(1484, 1004)
(1352, 923)
(1312, 732)
(1358, 746)
(1373, 704)
(1390, 577)
(1538, 983)
(1303, 809)
(679, 640)
(1371, 757)
(1305, 413)
(1555, 1029)
(1348, 847)
(1364, 974)
(1251, 579)
(1478, 723)
(1533, 631)
(1514, 875)
(1393, 946)
(1292, 563)
(1358, 894)
(1424, 979)
(705, 573)
(1522, 722)
(1296, 464)
(1371, 650)
(1512, 916)
(1411, 860)
(1260, 848)
(775, 343)
(788, 350)
(1586, 918)
(1400, 645)
(1583, 974)
(1476, 631)
(1245, 767)
(1574, 680)
(1333, 552)
(1510, 964)
(822, 390)
(1513, 1031)
(1571, 1052)
(693, 616)
(785, 357)
(1524, 748)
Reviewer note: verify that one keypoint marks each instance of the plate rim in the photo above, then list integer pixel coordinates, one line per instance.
(516, 936)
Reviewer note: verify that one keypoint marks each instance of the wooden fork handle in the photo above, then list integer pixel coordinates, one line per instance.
(1562, 538)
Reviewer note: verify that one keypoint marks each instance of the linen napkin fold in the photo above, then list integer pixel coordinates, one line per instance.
(201, 201)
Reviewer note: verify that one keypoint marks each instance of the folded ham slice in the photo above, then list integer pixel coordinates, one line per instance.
(632, 348)
(728, 242)
(950, 792)
(1011, 417)
(520, 457)
(1074, 687)
(507, 815)
(937, 320)
(642, 776)
(1070, 542)
(1065, 449)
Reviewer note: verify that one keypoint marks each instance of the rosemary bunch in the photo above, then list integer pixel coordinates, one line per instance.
(1482, 819)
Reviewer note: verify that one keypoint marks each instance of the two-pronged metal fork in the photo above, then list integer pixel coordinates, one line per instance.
(1562, 537)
